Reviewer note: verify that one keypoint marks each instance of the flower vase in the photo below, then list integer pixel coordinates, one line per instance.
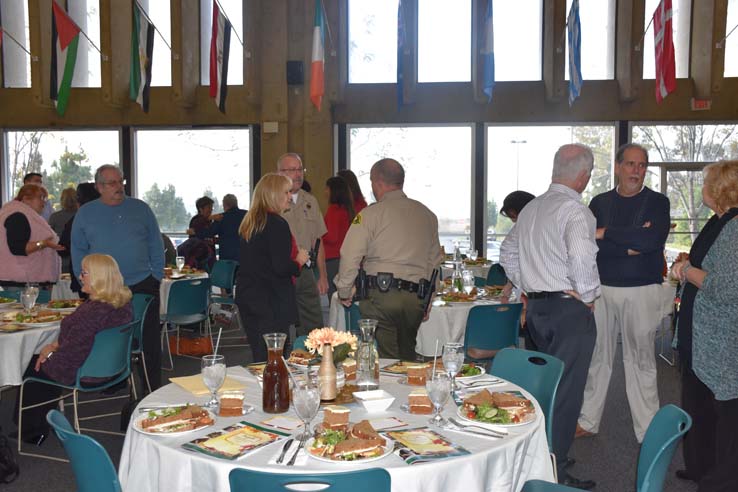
(327, 375)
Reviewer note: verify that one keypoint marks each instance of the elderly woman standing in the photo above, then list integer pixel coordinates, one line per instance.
(28, 245)
(708, 337)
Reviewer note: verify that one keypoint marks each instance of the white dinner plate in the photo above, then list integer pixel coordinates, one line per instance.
(470, 378)
(388, 448)
(527, 419)
(62, 310)
(143, 416)
(46, 324)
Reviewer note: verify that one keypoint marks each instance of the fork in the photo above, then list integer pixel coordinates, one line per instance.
(496, 432)
(480, 382)
(299, 447)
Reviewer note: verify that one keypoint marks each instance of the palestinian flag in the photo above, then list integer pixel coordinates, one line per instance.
(64, 42)
(220, 44)
(317, 83)
(142, 50)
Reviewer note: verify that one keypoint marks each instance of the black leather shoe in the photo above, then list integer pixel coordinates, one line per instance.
(569, 462)
(684, 475)
(570, 481)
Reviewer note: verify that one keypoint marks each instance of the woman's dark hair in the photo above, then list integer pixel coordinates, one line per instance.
(86, 192)
(353, 183)
(203, 202)
(340, 194)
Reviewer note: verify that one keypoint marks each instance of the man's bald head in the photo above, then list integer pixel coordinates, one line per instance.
(386, 175)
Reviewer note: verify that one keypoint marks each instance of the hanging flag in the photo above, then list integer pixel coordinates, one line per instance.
(575, 52)
(400, 53)
(64, 42)
(142, 49)
(488, 53)
(663, 42)
(220, 44)
(317, 82)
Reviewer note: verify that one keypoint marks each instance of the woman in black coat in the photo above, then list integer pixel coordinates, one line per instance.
(269, 262)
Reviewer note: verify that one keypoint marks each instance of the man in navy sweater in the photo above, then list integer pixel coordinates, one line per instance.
(225, 226)
(632, 225)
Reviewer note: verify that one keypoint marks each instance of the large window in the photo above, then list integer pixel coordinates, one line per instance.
(64, 158)
(677, 154)
(372, 41)
(176, 167)
(444, 41)
(597, 21)
(437, 162)
(521, 158)
(518, 30)
(161, 65)
(86, 14)
(16, 61)
(233, 10)
(680, 23)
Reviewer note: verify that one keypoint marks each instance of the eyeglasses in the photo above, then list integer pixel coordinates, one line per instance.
(121, 182)
(84, 273)
(295, 170)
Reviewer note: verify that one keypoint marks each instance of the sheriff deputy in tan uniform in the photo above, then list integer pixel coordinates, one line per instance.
(307, 225)
(396, 236)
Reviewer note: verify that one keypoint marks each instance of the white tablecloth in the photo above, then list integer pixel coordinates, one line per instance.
(150, 464)
(63, 289)
(166, 285)
(17, 348)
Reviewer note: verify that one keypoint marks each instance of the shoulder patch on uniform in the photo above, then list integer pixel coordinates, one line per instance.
(357, 219)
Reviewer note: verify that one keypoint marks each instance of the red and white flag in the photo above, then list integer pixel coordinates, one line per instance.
(317, 82)
(220, 43)
(663, 41)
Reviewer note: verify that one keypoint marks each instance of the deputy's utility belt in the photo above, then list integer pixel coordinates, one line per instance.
(386, 281)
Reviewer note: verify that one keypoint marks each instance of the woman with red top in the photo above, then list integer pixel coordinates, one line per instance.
(338, 218)
(269, 261)
(353, 184)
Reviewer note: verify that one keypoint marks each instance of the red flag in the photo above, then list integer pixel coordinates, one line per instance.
(663, 41)
(317, 83)
(66, 29)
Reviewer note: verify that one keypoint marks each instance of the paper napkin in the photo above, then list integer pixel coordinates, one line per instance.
(195, 385)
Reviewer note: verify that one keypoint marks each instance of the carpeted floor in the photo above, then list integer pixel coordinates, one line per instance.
(609, 458)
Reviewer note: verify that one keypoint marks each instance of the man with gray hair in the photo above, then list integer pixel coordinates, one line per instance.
(551, 255)
(225, 226)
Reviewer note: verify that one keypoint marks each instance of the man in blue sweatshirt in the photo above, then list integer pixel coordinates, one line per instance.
(632, 225)
(126, 229)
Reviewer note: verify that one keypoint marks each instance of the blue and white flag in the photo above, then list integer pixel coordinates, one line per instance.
(400, 54)
(488, 53)
(575, 52)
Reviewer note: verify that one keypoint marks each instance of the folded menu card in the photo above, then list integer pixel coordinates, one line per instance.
(194, 384)
(234, 441)
(422, 444)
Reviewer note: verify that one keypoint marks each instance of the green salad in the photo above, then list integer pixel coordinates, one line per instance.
(491, 414)
(5, 300)
(470, 370)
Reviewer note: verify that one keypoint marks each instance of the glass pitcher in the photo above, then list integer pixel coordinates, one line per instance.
(275, 396)
(367, 358)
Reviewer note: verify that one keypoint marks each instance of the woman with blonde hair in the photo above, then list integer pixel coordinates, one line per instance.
(108, 306)
(707, 334)
(269, 261)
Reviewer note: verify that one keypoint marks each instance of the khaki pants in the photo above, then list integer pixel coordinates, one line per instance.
(308, 303)
(636, 313)
(399, 314)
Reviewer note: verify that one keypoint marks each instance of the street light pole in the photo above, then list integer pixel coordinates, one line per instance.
(517, 161)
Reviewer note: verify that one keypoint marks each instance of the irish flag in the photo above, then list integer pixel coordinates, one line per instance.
(64, 41)
(142, 49)
(220, 44)
(317, 84)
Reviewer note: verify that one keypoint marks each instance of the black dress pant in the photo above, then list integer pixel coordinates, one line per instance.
(711, 445)
(564, 328)
(34, 419)
(151, 336)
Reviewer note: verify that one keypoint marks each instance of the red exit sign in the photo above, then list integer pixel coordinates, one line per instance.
(700, 104)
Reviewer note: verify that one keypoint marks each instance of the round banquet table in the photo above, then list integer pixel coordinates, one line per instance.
(152, 463)
(17, 348)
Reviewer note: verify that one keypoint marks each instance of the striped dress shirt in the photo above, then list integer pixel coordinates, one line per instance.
(552, 246)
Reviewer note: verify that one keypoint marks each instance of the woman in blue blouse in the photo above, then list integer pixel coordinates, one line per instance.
(710, 385)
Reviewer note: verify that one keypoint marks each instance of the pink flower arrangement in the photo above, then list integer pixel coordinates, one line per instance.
(321, 336)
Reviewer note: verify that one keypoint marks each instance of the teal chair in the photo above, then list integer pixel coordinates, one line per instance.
(666, 429)
(188, 303)
(93, 470)
(369, 480)
(491, 328)
(496, 275)
(537, 373)
(223, 276)
(109, 361)
(141, 303)
(300, 343)
(480, 282)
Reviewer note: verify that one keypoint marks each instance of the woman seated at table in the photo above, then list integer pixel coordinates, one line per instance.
(269, 261)
(108, 306)
(29, 245)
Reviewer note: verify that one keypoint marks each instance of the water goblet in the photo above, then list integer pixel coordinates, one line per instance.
(453, 359)
(180, 260)
(438, 386)
(467, 279)
(306, 402)
(213, 375)
(28, 298)
(473, 255)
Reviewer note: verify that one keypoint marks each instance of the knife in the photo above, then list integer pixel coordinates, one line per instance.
(284, 450)
(294, 456)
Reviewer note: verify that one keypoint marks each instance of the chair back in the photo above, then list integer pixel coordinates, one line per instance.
(492, 327)
(141, 304)
(188, 297)
(91, 464)
(110, 355)
(300, 343)
(662, 436)
(223, 274)
(496, 275)
(352, 316)
(369, 480)
(537, 373)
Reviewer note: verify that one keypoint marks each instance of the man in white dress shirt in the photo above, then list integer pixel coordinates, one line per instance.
(551, 255)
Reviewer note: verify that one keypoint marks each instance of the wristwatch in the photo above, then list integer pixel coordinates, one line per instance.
(40, 244)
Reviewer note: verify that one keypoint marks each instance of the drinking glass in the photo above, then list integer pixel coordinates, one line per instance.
(453, 359)
(438, 386)
(180, 263)
(213, 375)
(306, 401)
(28, 298)
(473, 255)
(467, 278)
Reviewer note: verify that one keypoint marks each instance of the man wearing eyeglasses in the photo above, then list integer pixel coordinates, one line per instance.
(307, 225)
(126, 229)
